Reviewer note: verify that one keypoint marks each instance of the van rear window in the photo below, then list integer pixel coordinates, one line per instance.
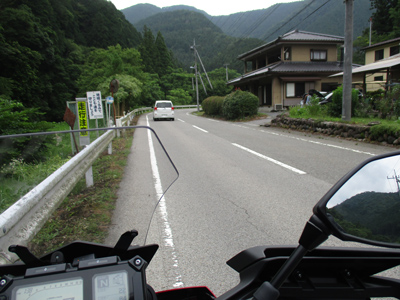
(164, 104)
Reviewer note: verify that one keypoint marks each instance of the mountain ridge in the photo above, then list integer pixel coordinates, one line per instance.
(229, 36)
(269, 23)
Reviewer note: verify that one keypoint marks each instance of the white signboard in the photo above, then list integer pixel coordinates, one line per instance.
(94, 106)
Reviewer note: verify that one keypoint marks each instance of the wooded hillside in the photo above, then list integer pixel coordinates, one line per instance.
(43, 42)
(222, 38)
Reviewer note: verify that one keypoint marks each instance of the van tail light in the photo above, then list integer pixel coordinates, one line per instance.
(172, 108)
(155, 108)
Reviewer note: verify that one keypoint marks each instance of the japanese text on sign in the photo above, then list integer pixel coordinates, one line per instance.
(83, 124)
(94, 105)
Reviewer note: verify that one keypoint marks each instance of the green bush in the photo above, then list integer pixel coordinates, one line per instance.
(240, 104)
(313, 108)
(15, 119)
(395, 96)
(297, 112)
(335, 107)
(378, 131)
(212, 106)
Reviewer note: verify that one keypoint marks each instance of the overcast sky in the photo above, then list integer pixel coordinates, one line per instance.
(212, 7)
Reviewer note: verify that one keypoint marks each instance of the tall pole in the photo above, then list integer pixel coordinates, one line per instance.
(348, 60)
(195, 72)
(226, 68)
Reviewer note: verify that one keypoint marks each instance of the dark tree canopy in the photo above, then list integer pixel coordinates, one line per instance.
(43, 45)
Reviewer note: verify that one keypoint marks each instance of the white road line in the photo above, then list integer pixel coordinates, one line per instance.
(200, 128)
(271, 159)
(168, 237)
(319, 143)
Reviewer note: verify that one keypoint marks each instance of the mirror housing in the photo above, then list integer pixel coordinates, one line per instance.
(361, 207)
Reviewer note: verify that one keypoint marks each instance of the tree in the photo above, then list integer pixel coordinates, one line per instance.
(104, 63)
(176, 79)
(383, 25)
(179, 97)
(395, 19)
(218, 81)
(162, 60)
(148, 51)
(129, 91)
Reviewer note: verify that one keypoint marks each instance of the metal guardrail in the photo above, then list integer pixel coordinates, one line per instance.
(21, 221)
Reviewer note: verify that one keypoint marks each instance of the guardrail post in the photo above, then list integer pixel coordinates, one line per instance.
(119, 124)
(89, 177)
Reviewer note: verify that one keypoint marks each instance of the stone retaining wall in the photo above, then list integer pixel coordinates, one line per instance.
(350, 131)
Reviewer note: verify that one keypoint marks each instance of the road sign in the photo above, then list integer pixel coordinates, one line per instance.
(95, 107)
(109, 100)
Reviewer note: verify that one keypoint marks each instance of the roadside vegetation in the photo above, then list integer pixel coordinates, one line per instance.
(380, 109)
(237, 105)
(87, 212)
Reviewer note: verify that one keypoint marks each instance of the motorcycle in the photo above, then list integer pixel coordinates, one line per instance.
(361, 207)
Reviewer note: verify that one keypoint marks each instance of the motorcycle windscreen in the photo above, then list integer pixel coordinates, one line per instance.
(41, 169)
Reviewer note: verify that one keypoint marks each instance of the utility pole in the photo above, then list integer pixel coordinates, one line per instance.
(397, 178)
(348, 61)
(197, 73)
(226, 67)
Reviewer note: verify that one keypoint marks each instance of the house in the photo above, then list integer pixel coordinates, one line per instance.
(283, 70)
(378, 74)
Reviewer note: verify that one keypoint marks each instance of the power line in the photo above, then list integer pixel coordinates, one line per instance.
(305, 7)
(309, 15)
(260, 21)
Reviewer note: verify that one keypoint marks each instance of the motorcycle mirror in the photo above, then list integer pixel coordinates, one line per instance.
(364, 205)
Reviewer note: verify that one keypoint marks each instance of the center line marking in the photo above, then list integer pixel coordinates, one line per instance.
(200, 129)
(271, 159)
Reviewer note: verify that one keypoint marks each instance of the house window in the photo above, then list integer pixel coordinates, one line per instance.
(290, 89)
(295, 89)
(378, 78)
(394, 50)
(378, 54)
(319, 55)
(287, 53)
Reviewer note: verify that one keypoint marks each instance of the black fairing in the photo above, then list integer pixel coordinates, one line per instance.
(323, 273)
(80, 249)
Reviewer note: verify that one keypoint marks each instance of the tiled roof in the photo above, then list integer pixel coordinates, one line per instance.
(376, 66)
(296, 36)
(305, 68)
(382, 43)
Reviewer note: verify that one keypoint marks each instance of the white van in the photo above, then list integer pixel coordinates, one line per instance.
(163, 109)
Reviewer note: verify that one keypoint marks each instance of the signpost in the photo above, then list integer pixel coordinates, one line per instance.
(114, 86)
(84, 138)
(94, 105)
(109, 101)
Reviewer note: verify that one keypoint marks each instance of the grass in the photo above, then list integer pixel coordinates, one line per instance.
(18, 177)
(321, 115)
(86, 213)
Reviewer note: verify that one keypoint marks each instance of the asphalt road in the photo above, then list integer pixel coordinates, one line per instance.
(240, 185)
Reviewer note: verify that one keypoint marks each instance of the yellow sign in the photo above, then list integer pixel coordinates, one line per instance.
(83, 124)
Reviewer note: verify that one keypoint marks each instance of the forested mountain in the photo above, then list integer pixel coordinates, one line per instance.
(43, 45)
(372, 215)
(267, 24)
(222, 38)
(182, 28)
(138, 12)
(316, 16)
